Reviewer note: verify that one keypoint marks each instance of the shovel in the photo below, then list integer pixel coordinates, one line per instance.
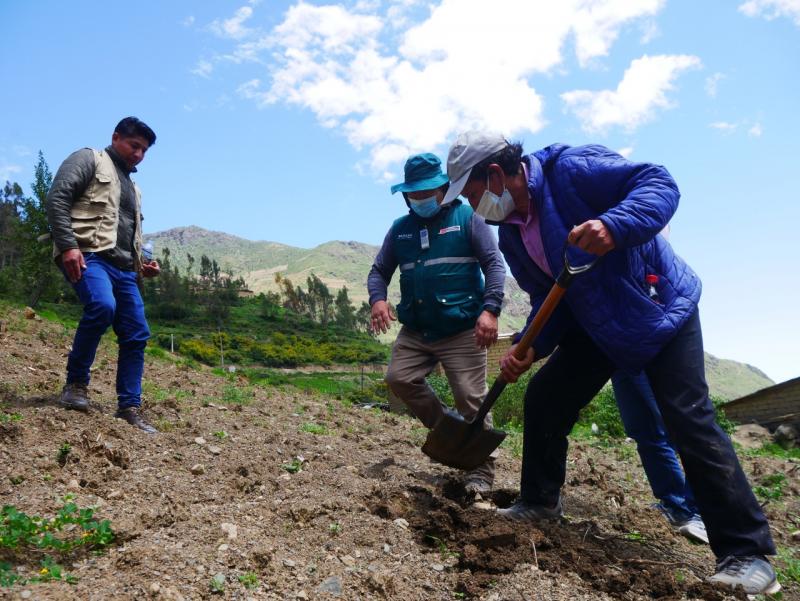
(465, 445)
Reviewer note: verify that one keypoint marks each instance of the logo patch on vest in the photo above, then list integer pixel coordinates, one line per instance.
(452, 228)
(405, 236)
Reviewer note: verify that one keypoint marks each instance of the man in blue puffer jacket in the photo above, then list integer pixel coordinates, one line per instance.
(605, 205)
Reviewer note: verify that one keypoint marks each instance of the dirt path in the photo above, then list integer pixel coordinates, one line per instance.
(367, 516)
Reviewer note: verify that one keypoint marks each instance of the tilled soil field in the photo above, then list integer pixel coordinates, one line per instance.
(316, 500)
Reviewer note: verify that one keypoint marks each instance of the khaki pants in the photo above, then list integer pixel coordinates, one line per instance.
(464, 364)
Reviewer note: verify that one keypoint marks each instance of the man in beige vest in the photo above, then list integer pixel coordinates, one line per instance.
(94, 212)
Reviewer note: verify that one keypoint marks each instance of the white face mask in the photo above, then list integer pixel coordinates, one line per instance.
(493, 207)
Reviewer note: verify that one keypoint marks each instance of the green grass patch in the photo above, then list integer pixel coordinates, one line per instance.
(788, 566)
(772, 449)
(771, 487)
(313, 428)
(23, 537)
(236, 395)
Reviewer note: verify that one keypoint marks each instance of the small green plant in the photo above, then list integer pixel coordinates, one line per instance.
(335, 528)
(772, 449)
(249, 580)
(444, 552)
(635, 535)
(10, 417)
(313, 428)
(71, 528)
(19, 531)
(293, 466)
(63, 452)
(236, 395)
(771, 488)
(222, 434)
(217, 583)
(788, 566)
(17, 480)
(722, 419)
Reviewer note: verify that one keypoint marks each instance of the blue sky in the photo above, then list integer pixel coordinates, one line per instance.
(288, 121)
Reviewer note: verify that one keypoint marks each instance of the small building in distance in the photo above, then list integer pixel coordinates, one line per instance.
(768, 407)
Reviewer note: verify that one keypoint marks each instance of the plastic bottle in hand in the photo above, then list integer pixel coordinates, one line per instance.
(147, 252)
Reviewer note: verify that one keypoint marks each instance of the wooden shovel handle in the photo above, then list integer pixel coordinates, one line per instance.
(540, 319)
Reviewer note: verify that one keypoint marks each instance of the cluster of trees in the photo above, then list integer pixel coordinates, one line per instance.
(317, 303)
(175, 295)
(27, 270)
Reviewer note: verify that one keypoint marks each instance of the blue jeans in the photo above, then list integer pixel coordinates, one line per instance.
(643, 422)
(110, 297)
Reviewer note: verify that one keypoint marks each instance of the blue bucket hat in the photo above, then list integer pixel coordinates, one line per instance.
(423, 172)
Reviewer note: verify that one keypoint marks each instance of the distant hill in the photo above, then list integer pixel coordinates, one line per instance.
(336, 263)
(341, 264)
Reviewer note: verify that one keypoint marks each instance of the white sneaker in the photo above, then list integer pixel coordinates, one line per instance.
(753, 573)
(694, 528)
(691, 527)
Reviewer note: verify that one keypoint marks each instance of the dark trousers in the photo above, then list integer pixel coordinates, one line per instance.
(578, 369)
(642, 419)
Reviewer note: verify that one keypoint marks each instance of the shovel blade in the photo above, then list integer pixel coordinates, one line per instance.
(460, 444)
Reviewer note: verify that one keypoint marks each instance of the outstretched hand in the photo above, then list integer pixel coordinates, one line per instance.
(151, 269)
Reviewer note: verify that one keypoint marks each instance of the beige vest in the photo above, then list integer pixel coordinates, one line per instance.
(95, 215)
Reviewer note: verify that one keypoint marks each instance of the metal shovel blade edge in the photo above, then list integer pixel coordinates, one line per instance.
(460, 444)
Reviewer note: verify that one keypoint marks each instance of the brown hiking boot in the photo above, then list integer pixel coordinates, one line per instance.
(133, 416)
(75, 396)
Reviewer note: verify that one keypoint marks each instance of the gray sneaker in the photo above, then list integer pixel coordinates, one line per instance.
(522, 511)
(75, 396)
(694, 528)
(752, 573)
(691, 526)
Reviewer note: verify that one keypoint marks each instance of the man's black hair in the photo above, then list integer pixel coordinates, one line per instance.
(131, 126)
(508, 159)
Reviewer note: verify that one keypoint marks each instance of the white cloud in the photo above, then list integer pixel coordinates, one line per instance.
(754, 128)
(22, 151)
(642, 91)
(393, 90)
(234, 27)
(712, 84)
(626, 152)
(7, 172)
(188, 21)
(203, 68)
(724, 126)
(772, 9)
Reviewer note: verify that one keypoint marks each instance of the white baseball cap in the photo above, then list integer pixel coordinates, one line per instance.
(469, 149)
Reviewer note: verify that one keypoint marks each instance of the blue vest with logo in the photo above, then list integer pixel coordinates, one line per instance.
(441, 285)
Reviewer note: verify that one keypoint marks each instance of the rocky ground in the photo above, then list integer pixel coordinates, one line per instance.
(306, 498)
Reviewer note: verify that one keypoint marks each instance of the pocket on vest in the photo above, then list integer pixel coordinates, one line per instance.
(85, 230)
(457, 306)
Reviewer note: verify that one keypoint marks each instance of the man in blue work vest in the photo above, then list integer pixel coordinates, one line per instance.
(447, 312)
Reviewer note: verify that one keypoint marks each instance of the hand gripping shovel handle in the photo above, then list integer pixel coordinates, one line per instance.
(568, 273)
